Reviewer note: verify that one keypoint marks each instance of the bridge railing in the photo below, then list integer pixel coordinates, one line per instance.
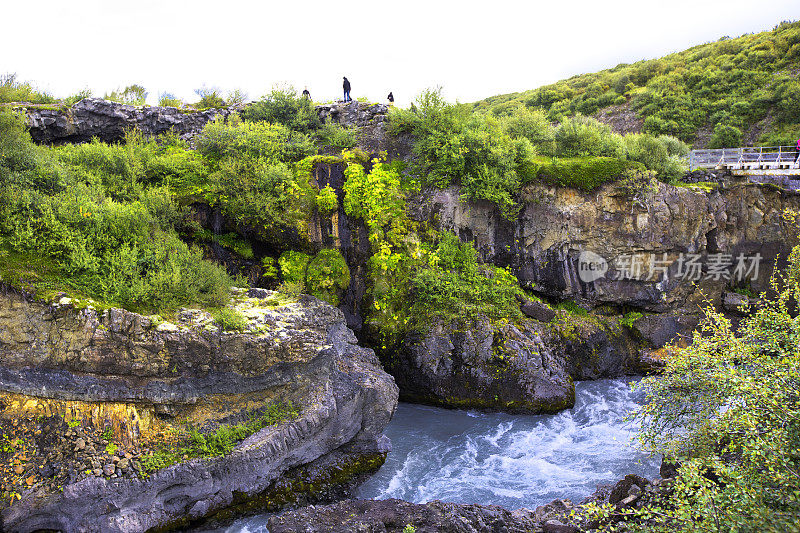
(752, 157)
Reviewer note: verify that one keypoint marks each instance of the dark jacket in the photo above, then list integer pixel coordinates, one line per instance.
(346, 85)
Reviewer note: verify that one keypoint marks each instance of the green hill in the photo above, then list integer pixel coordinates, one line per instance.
(733, 91)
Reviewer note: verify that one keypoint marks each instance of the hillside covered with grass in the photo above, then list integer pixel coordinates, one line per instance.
(721, 94)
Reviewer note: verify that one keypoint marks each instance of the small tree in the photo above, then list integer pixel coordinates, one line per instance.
(727, 408)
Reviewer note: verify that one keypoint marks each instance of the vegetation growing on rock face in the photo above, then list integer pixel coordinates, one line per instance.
(190, 443)
(727, 410)
(416, 282)
(731, 84)
(327, 276)
(491, 157)
(88, 209)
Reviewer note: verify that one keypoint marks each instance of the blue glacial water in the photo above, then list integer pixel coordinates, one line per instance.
(509, 460)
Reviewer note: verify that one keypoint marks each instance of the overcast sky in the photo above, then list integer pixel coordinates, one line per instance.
(472, 49)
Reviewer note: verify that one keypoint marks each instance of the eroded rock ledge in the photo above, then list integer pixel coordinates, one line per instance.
(107, 121)
(60, 361)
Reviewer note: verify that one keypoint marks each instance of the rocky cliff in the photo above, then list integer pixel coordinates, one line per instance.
(107, 121)
(74, 379)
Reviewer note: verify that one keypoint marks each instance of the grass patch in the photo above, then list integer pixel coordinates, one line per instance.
(230, 319)
(572, 308)
(183, 444)
(705, 186)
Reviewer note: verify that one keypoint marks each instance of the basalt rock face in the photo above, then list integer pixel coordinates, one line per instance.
(107, 121)
(138, 376)
(673, 226)
(509, 367)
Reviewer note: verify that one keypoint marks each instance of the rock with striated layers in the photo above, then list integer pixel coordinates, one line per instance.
(107, 121)
(138, 376)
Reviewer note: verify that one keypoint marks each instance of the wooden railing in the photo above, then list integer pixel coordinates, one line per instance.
(749, 158)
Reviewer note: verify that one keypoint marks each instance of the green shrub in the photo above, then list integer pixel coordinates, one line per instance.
(12, 90)
(726, 136)
(327, 276)
(726, 409)
(210, 98)
(327, 201)
(534, 126)
(585, 136)
(453, 145)
(284, 106)
(638, 184)
(331, 134)
(230, 319)
(169, 100)
(77, 97)
(131, 95)
(585, 173)
(457, 288)
(293, 266)
(269, 142)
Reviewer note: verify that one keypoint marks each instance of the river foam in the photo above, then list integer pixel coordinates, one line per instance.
(508, 460)
(512, 460)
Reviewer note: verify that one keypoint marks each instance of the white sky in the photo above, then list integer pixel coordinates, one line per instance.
(472, 49)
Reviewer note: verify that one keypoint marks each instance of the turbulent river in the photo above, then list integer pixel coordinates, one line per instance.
(509, 460)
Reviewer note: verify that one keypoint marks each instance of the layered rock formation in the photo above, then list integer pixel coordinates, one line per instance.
(648, 243)
(107, 121)
(141, 379)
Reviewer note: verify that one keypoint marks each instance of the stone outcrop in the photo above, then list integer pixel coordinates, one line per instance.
(137, 376)
(509, 367)
(394, 515)
(97, 118)
(543, 246)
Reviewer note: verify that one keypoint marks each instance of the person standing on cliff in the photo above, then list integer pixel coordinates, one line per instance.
(306, 94)
(346, 87)
(390, 97)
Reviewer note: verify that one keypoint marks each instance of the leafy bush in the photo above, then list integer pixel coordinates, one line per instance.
(284, 106)
(12, 90)
(534, 126)
(77, 97)
(457, 288)
(210, 98)
(726, 409)
(331, 134)
(169, 100)
(327, 201)
(121, 250)
(293, 266)
(327, 276)
(585, 173)
(452, 145)
(725, 136)
(270, 142)
(131, 95)
(585, 136)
